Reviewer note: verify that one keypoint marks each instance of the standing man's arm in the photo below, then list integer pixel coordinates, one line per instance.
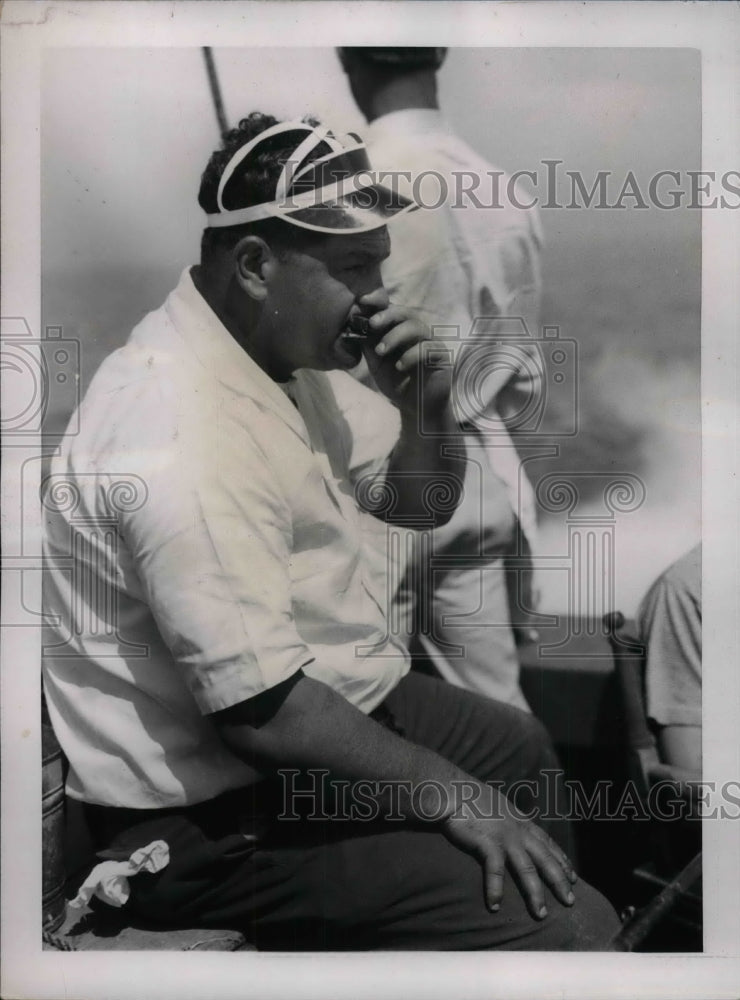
(519, 254)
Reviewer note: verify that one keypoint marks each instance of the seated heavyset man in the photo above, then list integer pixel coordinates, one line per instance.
(222, 677)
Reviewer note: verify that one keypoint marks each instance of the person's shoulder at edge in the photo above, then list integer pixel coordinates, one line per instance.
(686, 570)
(682, 575)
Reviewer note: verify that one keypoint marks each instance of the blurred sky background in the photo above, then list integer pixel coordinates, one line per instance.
(126, 133)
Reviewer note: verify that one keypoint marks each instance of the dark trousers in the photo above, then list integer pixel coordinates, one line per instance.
(340, 883)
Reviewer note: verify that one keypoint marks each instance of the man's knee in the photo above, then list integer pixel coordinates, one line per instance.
(534, 731)
(589, 925)
(535, 747)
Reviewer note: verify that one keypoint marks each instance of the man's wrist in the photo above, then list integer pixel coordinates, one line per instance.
(458, 798)
(441, 420)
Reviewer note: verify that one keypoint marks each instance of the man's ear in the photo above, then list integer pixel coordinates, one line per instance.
(253, 263)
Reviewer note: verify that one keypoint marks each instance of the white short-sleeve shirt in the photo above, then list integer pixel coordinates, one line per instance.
(459, 264)
(203, 543)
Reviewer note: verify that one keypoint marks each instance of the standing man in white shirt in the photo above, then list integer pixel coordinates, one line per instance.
(219, 672)
(459, 264)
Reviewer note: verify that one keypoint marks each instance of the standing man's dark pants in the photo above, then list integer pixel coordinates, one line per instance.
(339, 883)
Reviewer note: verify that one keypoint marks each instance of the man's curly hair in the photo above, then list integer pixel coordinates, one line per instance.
(253, 182)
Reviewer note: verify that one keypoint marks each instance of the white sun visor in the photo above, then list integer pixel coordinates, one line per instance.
(337, 192)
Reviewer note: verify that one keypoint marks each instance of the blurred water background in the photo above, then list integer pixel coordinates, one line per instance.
(126, 133)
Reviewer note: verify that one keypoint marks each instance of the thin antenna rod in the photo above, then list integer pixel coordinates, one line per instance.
(218, 103)
(639, 926)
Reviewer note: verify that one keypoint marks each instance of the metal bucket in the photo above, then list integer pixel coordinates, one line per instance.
(52, 836)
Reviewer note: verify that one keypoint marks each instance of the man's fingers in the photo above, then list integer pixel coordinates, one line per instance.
(404, 335)
(556, 849)
(388, 316)
(410, 353)
(530, 885)
(402, 344)
(409, 360)
(377, 299)
(494, 870)
(551, 871)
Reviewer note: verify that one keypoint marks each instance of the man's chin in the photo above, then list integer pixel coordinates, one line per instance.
(345, 356)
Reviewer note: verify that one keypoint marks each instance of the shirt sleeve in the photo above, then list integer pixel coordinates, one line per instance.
(519, 257)
(669, 619)
(519, 251)
(211, 546)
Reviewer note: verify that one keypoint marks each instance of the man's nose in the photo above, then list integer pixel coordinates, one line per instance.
(375, 298)
(372, 282)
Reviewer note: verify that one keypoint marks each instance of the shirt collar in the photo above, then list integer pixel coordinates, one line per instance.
(218, 352)
(406, 123)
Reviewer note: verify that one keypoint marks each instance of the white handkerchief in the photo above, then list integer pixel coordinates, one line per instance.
(109, 880)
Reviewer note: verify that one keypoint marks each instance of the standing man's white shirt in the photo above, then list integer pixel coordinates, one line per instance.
(228, 557)
(456, 264)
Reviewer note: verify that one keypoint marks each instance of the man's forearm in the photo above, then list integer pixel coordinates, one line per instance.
(314, 727)
(427, 468)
